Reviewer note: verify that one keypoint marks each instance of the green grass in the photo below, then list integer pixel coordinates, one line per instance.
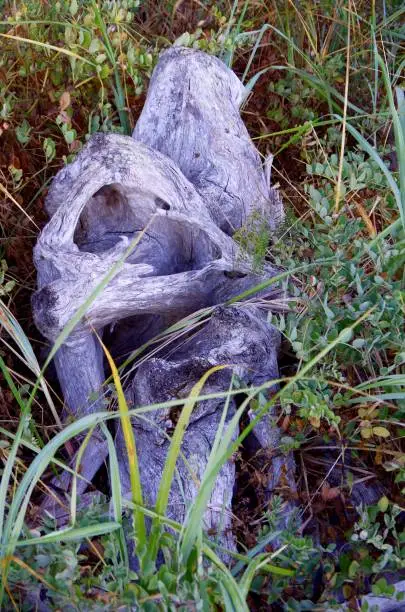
(324, 94)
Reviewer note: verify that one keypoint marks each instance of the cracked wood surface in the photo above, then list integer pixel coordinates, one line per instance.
(188, 178)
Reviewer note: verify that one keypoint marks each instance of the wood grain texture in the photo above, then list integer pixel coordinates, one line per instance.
(237, 336)
(188, 178)
(192, 115)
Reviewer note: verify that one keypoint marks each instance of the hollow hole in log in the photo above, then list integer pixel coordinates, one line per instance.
(101, 480)
(169, 245)
(162, 204)
(130, 333)
(106, 217)
(234, 274)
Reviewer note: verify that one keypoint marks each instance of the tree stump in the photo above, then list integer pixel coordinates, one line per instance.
(183, 184)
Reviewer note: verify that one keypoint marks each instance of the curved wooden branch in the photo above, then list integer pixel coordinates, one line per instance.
(187, 179)
(192, 115)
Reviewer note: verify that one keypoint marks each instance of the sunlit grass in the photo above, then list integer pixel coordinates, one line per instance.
(304, 44)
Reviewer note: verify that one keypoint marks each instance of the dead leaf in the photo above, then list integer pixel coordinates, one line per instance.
(328, 493)
(315, 422)
(75, 146)
(15, 162)
(64, 101)
(285, 423)
(364, 215)
(378, 458)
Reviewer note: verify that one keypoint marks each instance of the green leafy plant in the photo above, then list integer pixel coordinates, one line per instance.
(253, 238)
(332, 113)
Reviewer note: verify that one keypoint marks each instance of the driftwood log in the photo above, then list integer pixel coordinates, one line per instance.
(186, 181)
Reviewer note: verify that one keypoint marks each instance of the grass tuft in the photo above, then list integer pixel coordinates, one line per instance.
(324, 94)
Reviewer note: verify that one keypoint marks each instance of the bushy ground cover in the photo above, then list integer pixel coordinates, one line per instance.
(324, 83)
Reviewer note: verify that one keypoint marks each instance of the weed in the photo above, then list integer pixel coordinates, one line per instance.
(253, 238)
(333, 115)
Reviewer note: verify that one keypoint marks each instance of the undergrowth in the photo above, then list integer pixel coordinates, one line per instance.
(324, 94)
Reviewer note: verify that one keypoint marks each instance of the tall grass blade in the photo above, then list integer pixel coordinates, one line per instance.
(277, 278)
(344, 122)
(376, 157)
(252, 82)
(36, 449)
(49, 46)
(233, 596)
(133, 463)
(383, 381)
(254, 566)
(115, 480)
(67, 535)
(21, 499)
(171, 460)
(15, 331)
(399, 134)
(255, 551)
(116, 493)
(8, 468)
(227, 57)
(119, 95)
(73, 497)
(262, 30)
(228, 447)
(400, 94)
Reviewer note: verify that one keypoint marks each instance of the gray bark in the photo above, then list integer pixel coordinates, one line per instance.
(237, 336)
(192, 115)
(183, 184)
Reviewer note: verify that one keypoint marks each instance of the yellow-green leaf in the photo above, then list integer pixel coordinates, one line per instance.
(381, 432)
(383, 504)
(129, 438)
(367, 413)
(74, 7)
(366, 432)
(353, 569)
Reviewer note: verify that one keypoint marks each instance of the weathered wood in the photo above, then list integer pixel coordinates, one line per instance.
(237, 337)
(187, 180)
(190, 262)
(192, 115)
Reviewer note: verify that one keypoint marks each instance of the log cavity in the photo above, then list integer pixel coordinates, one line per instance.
(106, 217)
(170, 243)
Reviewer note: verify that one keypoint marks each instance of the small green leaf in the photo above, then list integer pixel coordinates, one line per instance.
(49, 148)
(94, 45)
(366, 433)
(69, 534)
(381, 432)
(345, 335)
(69, 135)
(23, 132)
(104, 71)
(383, 504)
(74, 7)
(9, 286)
(353, 569)
(183, 41)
